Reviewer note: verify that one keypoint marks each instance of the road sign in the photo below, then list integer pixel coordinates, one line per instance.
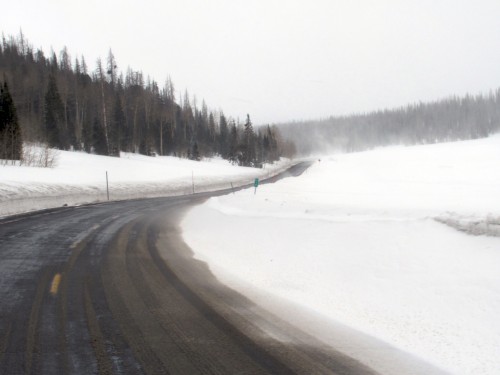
(256, 183)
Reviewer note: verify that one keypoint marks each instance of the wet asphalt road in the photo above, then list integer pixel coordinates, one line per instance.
(112, 289)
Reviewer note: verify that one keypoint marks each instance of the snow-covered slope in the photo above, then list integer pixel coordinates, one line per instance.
(356, 240)
(81, 178)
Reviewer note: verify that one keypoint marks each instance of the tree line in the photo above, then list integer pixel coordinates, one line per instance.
(10, 131)
(61, 102)
(451, 119)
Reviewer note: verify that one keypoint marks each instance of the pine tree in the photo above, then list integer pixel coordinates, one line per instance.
(212, 137)
(271, 146)
(101, 80)
(248, 145)
(112, 69)
(233, 144)
(223, 137)
(195, 152)
(54, 116)
(99, 138)
(116, 128)
(11, 143)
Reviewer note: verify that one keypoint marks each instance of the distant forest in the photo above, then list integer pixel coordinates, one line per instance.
(61, 102)
(445, 120)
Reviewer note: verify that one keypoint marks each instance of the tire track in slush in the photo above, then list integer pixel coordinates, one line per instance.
(236, 338)
(31, 334)
(206, 345)
(183, 334)
(301, 352)
(86, 309)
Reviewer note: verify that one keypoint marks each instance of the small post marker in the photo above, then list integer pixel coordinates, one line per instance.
(192, 179)
(255, 184)
(107, 185)
(232, 187)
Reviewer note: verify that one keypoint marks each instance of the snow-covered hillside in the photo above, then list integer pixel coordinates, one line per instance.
(356, 240)
(81, 178)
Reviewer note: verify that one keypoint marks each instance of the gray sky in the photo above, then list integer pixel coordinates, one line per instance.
(282, 59)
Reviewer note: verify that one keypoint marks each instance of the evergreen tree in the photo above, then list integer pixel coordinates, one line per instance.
(259, 152)
(248, 145)
(112, 69)
(54, 116)
(11, 143)
(223, 137)
(271, 146)
(233, 144)
(101, 79)
(116, 128)
(99, 143)
(87, 136)
(266, 147)
(212, 136)
(195, 152)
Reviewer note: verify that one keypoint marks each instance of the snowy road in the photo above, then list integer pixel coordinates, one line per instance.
(113, 289)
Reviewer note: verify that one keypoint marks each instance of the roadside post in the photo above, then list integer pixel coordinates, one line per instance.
(107, 185)
(255, 184)
(192, 179)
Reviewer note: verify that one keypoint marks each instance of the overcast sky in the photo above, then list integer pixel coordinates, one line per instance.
(282, 59)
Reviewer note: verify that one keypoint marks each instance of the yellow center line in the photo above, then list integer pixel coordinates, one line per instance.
(55, 284)
(77, 242)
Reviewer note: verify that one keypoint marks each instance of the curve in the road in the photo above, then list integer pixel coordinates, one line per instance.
(113, 289)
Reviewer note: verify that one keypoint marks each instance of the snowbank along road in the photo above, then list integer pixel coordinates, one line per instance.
(113, 289)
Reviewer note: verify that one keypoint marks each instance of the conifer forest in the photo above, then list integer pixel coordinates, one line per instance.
(446, 120)
(65, 103)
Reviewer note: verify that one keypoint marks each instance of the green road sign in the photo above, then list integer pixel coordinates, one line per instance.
(256, 182)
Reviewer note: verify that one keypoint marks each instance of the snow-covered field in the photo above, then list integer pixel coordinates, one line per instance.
(356, 240)
(81, 178)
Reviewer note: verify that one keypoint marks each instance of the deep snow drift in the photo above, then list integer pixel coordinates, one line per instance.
(81, 178)
(356, 240)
